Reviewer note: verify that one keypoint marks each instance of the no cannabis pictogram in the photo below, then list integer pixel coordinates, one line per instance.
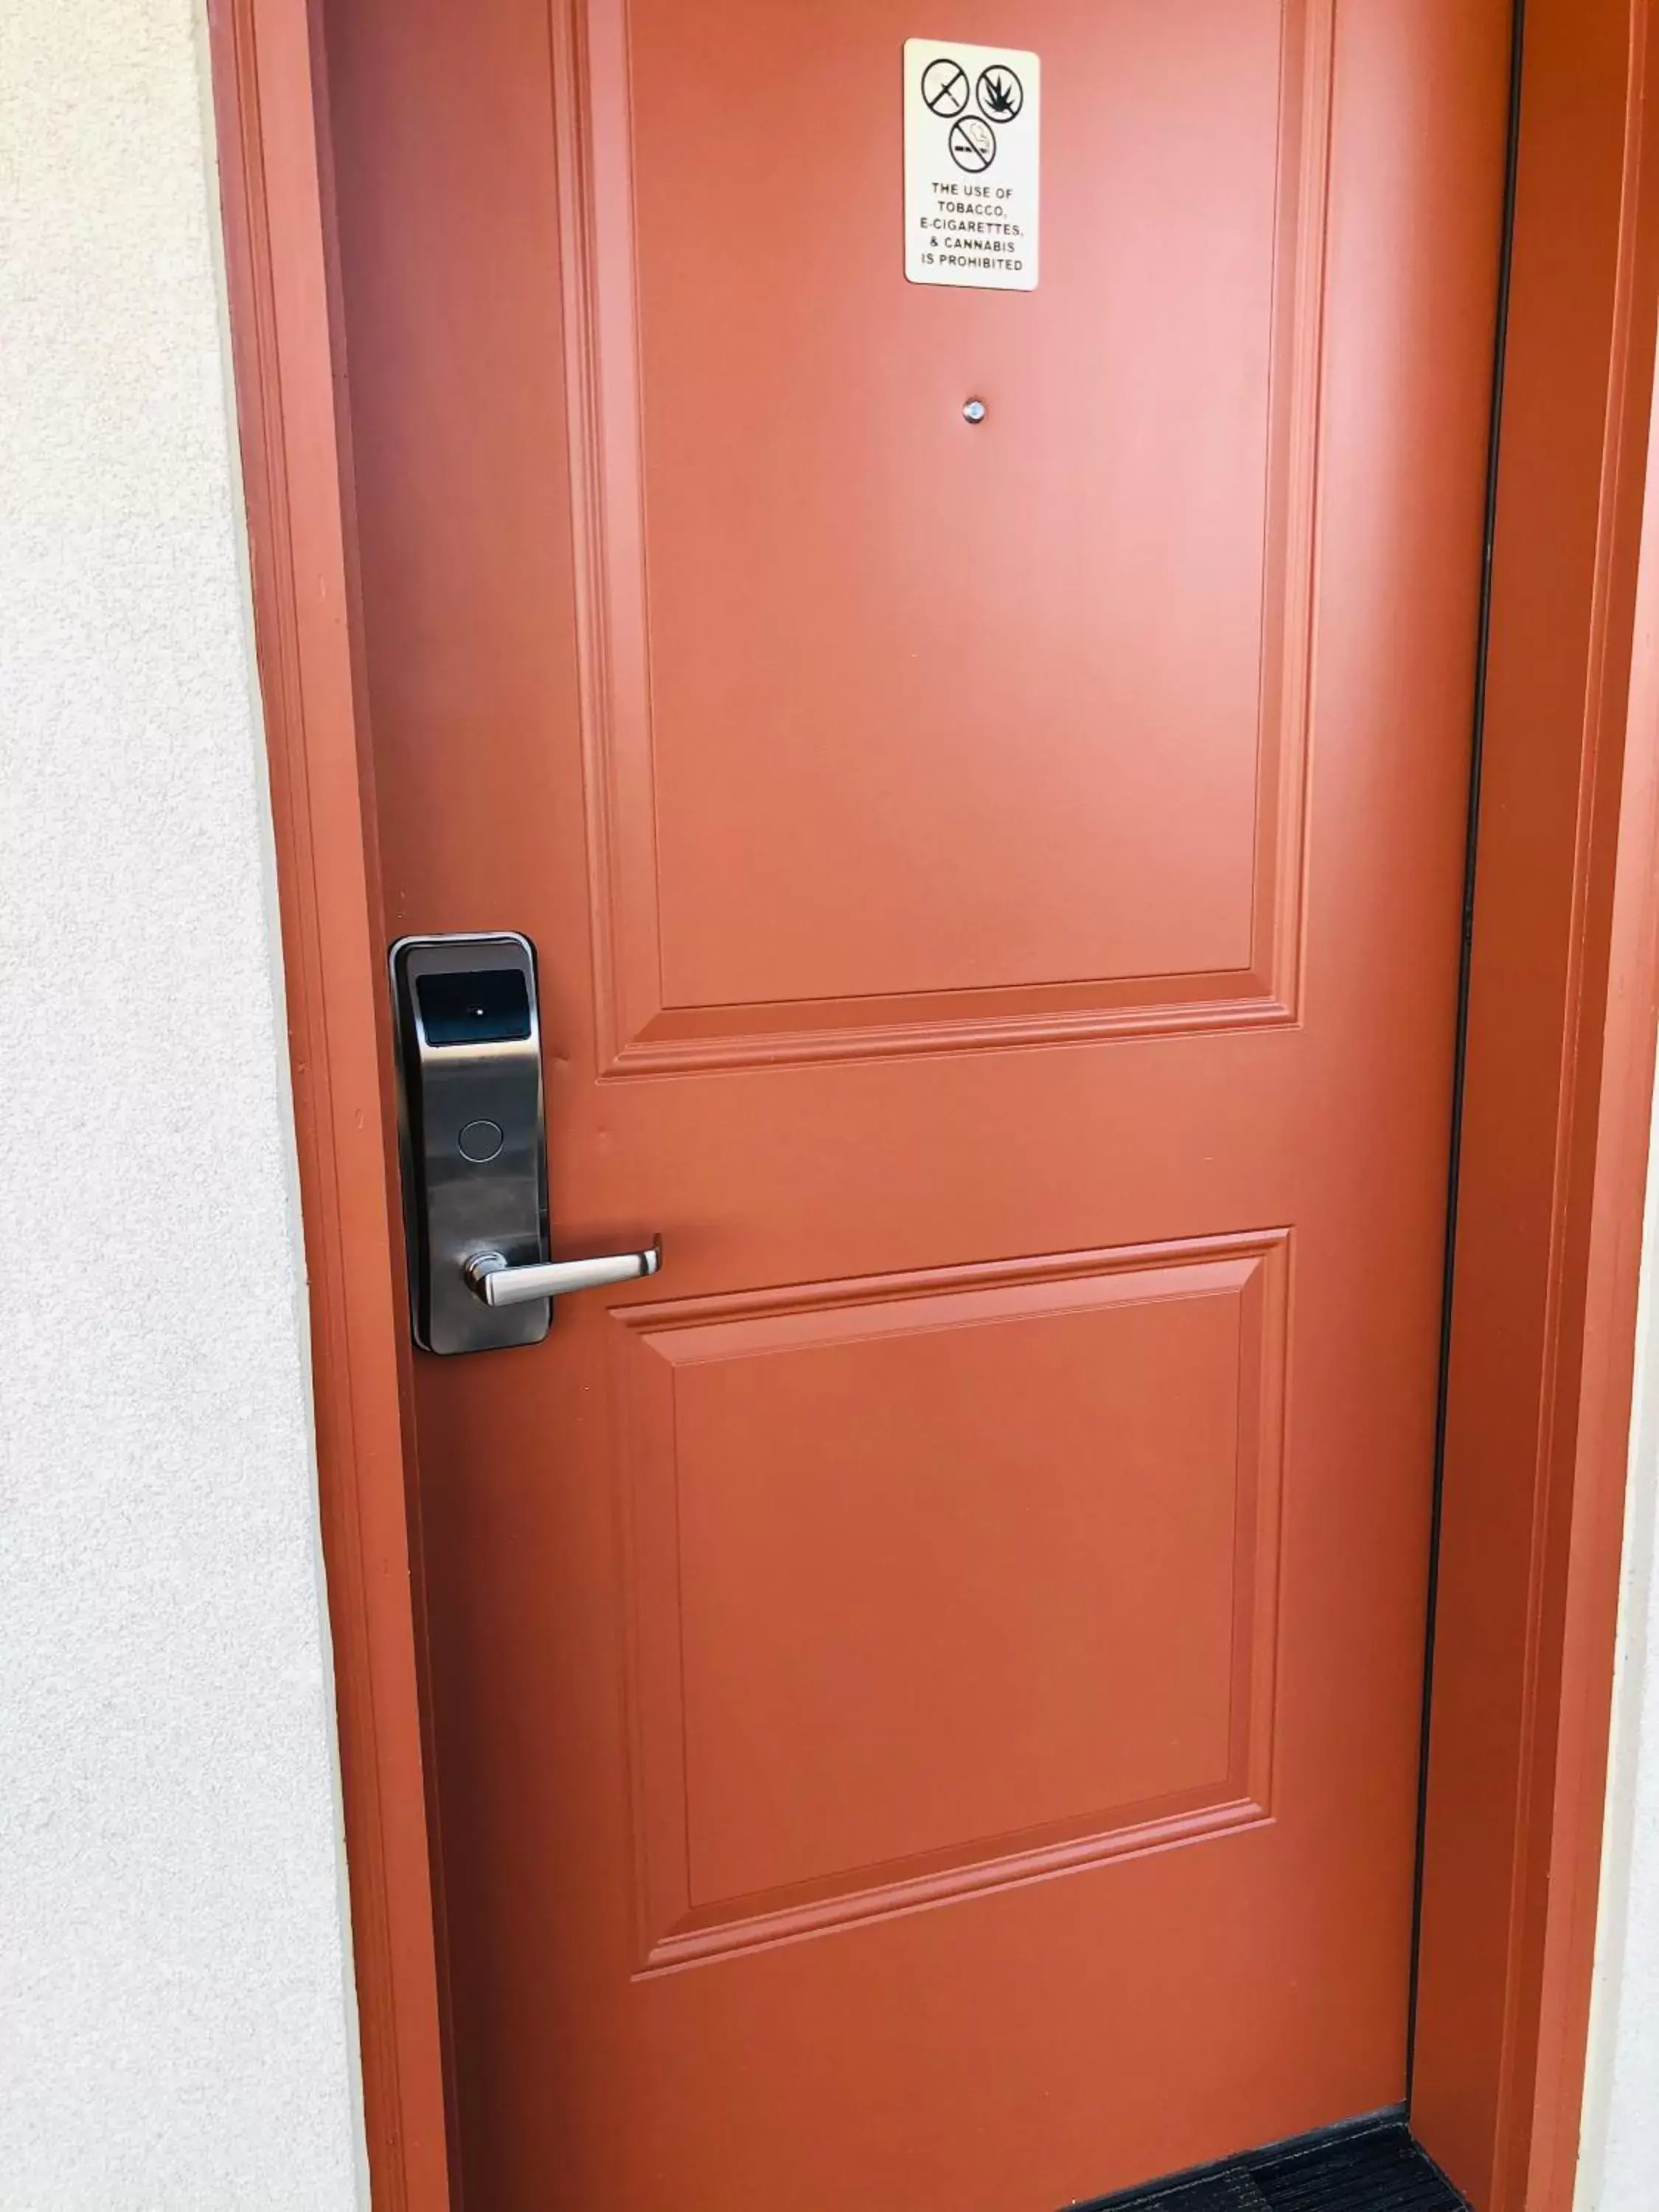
(1001, 94)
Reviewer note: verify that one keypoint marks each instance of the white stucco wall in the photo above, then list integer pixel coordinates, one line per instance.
(176, 2028)
(1618, 2169)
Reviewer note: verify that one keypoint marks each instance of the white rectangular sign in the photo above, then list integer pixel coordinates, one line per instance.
(970, 165)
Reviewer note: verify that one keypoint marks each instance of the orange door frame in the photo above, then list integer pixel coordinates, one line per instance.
(1564, 1001)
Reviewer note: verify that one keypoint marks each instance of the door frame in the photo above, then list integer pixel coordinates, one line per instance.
(1562, 1014)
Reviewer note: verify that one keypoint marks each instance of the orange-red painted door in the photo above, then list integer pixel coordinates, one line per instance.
(927, 1690)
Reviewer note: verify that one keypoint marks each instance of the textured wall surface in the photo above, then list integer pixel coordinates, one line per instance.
(176, 2029)
(1620, 2167)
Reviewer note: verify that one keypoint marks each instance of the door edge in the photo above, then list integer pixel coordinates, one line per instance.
(1559, 1060)
(268, 103)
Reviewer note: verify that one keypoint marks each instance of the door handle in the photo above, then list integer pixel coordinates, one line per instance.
(473, 1130)
(491, 1278)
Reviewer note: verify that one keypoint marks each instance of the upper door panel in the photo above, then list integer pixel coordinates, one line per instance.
(905, 729)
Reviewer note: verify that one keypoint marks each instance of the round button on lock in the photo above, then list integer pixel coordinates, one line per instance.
(481, 1140)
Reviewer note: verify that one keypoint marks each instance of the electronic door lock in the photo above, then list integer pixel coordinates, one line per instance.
(472, 1133)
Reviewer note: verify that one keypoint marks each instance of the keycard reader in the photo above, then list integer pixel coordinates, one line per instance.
(472, 1126)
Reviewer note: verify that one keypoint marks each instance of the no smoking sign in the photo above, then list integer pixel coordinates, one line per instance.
(970, 165)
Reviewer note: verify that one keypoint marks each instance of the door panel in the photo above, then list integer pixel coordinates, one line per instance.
(871, 1528)
(926, 1691)
(785, 471)
(762, 477)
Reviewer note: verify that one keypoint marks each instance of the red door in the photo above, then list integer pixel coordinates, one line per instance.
(927, 1690)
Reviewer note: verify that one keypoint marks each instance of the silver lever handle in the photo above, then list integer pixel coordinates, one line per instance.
(490, 1278)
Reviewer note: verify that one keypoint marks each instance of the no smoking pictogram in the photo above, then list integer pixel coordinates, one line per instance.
(973, 144)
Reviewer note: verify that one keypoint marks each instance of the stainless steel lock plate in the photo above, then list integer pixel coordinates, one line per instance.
(472, 1123)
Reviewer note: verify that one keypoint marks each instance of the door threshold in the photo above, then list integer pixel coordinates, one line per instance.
(1366, 2165)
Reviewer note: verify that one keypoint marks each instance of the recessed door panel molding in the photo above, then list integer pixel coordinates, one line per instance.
(873, 1525)
(1004, 770)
